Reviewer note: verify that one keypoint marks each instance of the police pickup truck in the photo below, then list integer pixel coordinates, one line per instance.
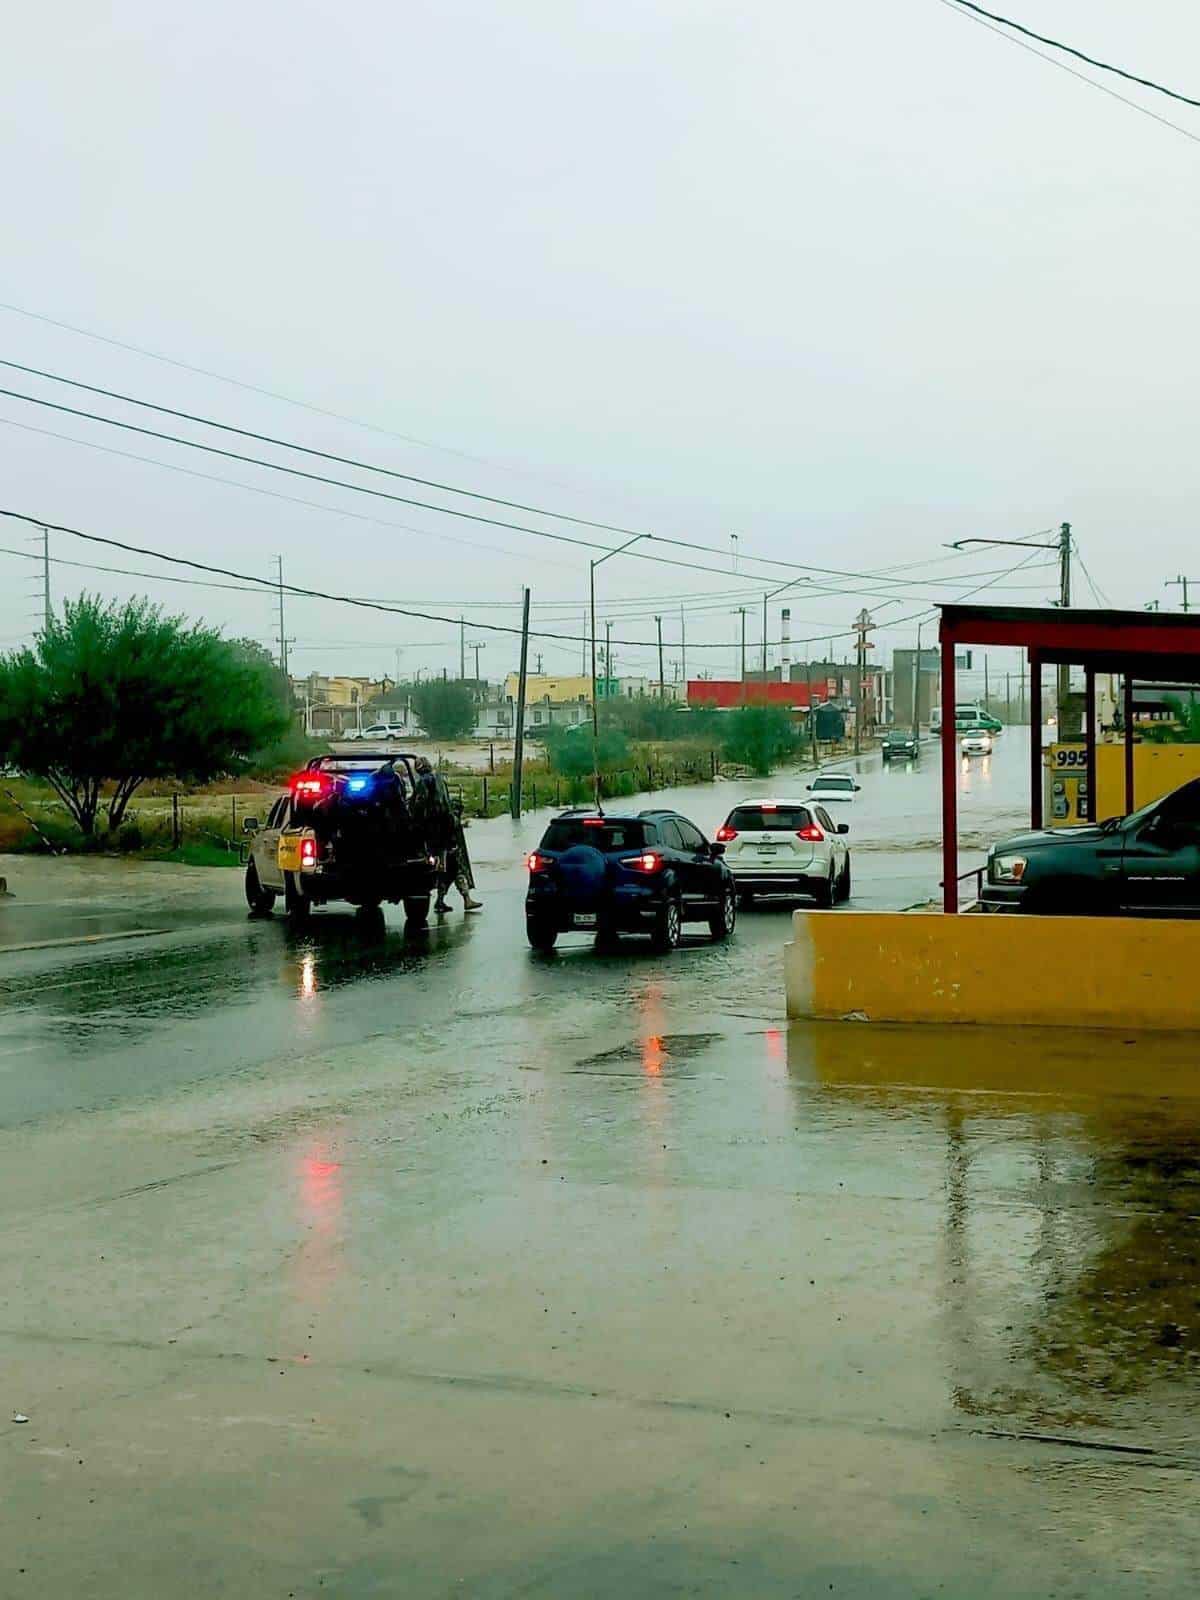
(344, 830)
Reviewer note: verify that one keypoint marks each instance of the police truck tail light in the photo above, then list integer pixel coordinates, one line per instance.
(725, 834)
(308, 785)
(650, 861)
(812, 833)
(537, 862)
(308, 852)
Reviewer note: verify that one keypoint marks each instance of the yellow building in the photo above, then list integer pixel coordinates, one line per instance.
(558, 691)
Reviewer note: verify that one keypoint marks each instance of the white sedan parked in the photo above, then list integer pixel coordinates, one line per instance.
(786, 847)
(833, 786)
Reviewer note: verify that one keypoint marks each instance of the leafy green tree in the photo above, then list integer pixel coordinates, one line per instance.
(760, 737)
(445, 707)
(113, 694)
(569, 751)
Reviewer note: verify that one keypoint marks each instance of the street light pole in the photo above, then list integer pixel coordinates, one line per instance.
(1177, 583)
(592, 565)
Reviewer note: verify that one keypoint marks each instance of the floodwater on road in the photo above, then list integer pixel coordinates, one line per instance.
(341, 1263)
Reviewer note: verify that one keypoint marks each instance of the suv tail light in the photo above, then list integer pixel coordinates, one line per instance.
(812, 833)
(650, 861)
(537, 862)
(725, 834)
(308, 852)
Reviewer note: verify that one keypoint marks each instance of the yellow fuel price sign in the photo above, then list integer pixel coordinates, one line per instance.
(1066, 793)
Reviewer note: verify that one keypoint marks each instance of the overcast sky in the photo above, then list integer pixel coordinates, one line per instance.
(851, 281)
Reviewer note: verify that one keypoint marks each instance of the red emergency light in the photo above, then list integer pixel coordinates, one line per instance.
(309, 783)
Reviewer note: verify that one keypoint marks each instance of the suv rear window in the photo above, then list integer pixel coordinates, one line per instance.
(753, 819)
(616, 834)
(833, 783)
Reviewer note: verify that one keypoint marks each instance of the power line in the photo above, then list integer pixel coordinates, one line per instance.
(269, 585)
(357, 488)
(253, 588)
(1057, 44)
(320, 455)
(1062, 66)
(254, 388)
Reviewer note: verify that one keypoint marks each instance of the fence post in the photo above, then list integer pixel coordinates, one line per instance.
(484, 808)
(176, 835)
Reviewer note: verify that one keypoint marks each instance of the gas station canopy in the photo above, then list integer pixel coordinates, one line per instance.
(1141, 646)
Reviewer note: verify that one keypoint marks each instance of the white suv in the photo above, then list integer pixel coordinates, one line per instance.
(785, 846)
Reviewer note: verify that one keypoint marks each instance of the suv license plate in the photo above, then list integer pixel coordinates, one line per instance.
(584, 919)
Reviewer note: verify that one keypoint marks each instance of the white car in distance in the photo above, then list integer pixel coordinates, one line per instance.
(786, 847)
(976, 744)
(833, 786)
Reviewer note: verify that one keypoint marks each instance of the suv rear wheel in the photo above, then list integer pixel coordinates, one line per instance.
(724, 919)
(541, 934)
(825, 891)
(668, 925)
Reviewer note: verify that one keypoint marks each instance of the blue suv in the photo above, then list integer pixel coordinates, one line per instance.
(607, 875)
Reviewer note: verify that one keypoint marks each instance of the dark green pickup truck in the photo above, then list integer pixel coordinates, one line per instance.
(1145, 864)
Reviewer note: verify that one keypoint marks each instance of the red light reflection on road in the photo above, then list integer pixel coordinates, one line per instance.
(320, 1202)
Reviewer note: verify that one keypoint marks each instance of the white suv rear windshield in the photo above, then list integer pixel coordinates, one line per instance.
(755, 819)
(834, 783)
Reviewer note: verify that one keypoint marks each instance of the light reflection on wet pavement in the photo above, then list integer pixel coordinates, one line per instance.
(351, 1264)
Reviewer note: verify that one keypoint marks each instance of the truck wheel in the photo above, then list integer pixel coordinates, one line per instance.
(261, 901)
(416, 911)
(723, 921)
(296, 902)
(668, 926)
(541, 935)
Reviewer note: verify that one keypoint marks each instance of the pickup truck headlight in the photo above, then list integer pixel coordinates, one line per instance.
(1008, 869)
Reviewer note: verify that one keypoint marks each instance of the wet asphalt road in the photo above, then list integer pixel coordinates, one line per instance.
(352, 1265)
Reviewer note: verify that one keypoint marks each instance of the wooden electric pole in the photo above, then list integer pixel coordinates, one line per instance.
(519, 742)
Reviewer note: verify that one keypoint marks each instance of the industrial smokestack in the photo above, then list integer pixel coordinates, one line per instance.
(785, 646)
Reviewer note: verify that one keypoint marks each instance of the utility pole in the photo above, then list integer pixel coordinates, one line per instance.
(812, 710)
(1064, 600)
(1008, 696)
(683, 648)
(608, 671)
(519, 741)
(1176, 583)
(764, 652)
(742, 615)
(861, 624)
(583, 658)
(47, 615)
(283, 644)
(539, 664)
(662, 688)
(477, 646)
(986, 691)
(462, 650)
(916, 680)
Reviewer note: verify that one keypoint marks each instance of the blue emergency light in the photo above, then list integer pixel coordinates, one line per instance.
(357, 785)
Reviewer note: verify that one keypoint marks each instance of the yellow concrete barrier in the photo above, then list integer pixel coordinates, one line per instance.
(1078, 972)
